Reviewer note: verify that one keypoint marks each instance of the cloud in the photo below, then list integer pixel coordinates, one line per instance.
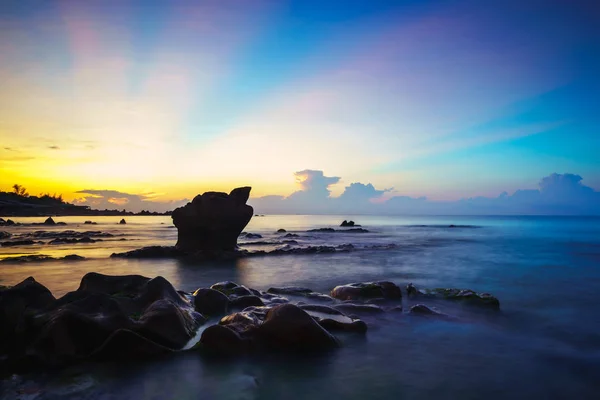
(114, 199)
(557, 194)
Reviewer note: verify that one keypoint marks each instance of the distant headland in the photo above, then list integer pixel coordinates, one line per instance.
(19, 203)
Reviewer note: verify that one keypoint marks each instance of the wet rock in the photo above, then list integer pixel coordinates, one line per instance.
(210, 302)
(49, 221)
(281, 231)
(352, 308)
(213, 220)
(242, 302)
(240, 290)
(18, 243)
(289, 328)
(167, 324)
(334, 320)
(422, 309)
(253, 236)
(122, 221)
(464, 296)
(5, 235)
(290, 290)
(367, 290)
(397, 308)
(224, 287)
(319, 297)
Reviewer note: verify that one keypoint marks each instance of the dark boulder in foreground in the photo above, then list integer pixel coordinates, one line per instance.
(367, 290)
(212, 221)
(288, 327)
(210, 302)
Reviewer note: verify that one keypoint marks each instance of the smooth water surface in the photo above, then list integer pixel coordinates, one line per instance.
(545, 342)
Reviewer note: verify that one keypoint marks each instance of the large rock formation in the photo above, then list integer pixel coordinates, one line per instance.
(212, 221)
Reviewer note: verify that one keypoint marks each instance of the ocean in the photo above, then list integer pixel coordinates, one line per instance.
(544, 343)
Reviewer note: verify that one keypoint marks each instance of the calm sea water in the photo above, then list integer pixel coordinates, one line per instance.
(544, 344)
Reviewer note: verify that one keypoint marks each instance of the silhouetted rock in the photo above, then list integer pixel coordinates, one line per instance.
(49, 221)
(210, 302)
(222, 340)
(9, 222)
(322, 230)
(367, 290)
(348, 223)
(212, 221)
(355, 230)
(290, 235)
(281, 231)
(151, 252)
(253, 236)
(18, 243)
(39, 258)
(5, 235)
(90, 223)
(122, 221)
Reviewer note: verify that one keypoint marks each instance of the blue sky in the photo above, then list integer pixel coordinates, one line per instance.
(444, 99)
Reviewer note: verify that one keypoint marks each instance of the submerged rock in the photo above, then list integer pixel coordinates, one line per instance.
(422, 309)
(293, 290)
(151, 252)
(367, 290)
(352, 308)
(26, 242)
(464, 296)
(212, 221)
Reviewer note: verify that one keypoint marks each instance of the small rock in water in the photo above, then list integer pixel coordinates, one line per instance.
(210, 302)
(367, 290)
(89, 223)
(49, 221)
(422, 309)
(122, 221)
(281, 230)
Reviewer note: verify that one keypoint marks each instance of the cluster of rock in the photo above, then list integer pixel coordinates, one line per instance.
(346, 224)
(7, 222)
(123, 317)
(57, 237)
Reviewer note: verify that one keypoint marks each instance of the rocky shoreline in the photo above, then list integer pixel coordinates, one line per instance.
(111, 318)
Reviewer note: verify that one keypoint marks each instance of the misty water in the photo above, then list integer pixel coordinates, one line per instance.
(544, 343)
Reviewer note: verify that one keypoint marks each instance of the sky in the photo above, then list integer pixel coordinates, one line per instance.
(144, 104)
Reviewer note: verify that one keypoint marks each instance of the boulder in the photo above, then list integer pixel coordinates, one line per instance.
(422, 309)
(253, 236)
(210, 302)
(281, 230)
(5, 235)
(334, 320)
(49, 221)
(367, 290)
(222, 340)
(212, 221)
(122, 221)
(90, 223)
(289, 328)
